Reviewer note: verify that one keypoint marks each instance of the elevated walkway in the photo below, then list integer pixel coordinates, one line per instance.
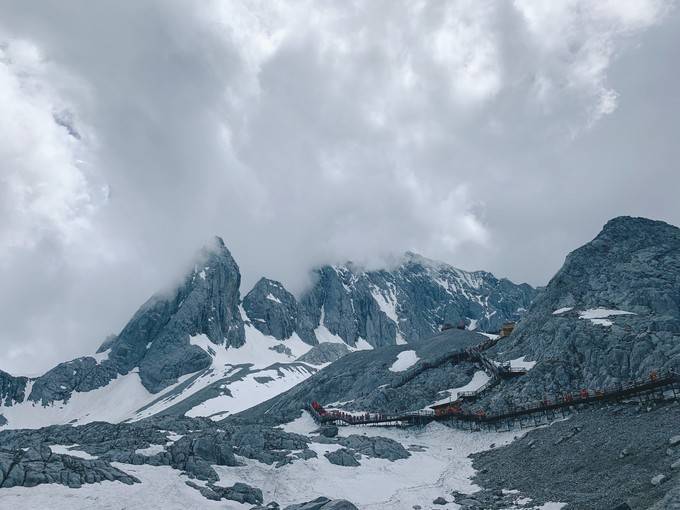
(658, 387)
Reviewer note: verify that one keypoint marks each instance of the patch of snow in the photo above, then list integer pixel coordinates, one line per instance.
(490, 335)
(377, 484)
(400, 339)
(405, 360)
(473, 324)
(272, 297)
(479, 379)
(387, 303)
(599, 315)
(304, 425)
(101, 356)
(248, 392)
(560, 311)
(173, 436)
(323, 334)
(151, 450)
(66, 450)
(361, 345)
(520, 363)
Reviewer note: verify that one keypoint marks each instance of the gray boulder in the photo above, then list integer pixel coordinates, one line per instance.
(239, 492)
(342, 457)
(323, 503)
(375, 446)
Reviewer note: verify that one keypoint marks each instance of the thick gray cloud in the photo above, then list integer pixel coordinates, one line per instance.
(494, 135)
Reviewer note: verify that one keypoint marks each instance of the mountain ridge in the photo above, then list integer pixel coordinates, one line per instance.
(186, 342)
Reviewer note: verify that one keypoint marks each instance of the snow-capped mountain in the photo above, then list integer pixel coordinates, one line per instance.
(198, 350)
(386, 307)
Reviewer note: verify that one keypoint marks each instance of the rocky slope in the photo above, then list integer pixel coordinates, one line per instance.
(610, 314)
(377, 381)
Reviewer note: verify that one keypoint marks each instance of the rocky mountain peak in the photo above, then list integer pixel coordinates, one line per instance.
(611, 313)
(271, 309)
(205, 302)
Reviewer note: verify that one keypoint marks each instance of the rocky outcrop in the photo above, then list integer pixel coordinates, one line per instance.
(408, 303)
(342, 457)
(38, 465)
(81, 374)
(11, 388)
(271, 309)
(375, 447)
(323, 503)
(611, 314)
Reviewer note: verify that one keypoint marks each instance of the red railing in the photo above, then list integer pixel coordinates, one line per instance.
(454, 409)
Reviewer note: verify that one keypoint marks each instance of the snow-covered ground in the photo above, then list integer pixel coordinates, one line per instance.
(126, 398)
(404, 361)
(599, 315)
(378, 484)
(479, 379)
(71, 450)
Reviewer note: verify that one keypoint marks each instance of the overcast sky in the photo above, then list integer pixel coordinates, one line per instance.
(488, 134)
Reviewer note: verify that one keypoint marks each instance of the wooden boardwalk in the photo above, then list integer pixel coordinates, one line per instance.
(657, 387)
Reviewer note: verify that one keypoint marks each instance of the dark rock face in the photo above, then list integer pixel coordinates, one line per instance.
(157, 337)
(409, 303)
(11, 388)
(633, 265)
(36, 466)
(271, 309)
(81, 374)
(342, 457)
(239, 492)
